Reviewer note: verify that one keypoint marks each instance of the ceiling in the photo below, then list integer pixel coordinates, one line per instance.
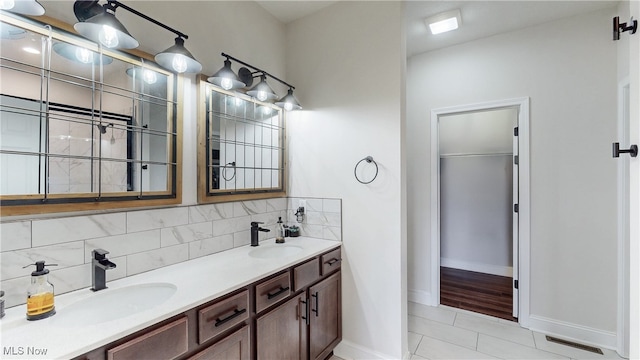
(479, 18)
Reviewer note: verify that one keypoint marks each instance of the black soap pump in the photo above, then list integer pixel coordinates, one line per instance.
(279, 231)
(40, 303)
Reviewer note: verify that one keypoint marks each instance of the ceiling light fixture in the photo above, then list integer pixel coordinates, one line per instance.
(147, 75)
(228, 80)
(443, 22)
(25, 7)
(98, 23)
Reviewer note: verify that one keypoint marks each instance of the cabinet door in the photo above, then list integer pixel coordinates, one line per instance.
(325, 330)
(233, 347)
(281, 333)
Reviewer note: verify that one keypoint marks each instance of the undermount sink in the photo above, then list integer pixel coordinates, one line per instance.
(274, 251)
(107, 305)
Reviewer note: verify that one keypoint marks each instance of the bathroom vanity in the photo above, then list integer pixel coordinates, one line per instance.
(267, 302)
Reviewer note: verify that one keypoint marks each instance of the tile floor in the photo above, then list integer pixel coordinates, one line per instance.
(447, 333)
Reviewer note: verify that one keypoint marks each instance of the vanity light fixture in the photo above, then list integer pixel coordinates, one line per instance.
(226, 78)
(443, 22)
(24, 7)
(262, 91)
(289, 101)
(98, 23)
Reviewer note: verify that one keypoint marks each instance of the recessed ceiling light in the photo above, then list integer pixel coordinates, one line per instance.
(444, 22)
(31, 50)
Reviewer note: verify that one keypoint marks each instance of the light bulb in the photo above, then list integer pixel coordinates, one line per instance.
(288, 106)
(179, 63)
(261, 95)
(226, 83)
(83, 55)
(149, 76)
(109, 36)
(7, 4)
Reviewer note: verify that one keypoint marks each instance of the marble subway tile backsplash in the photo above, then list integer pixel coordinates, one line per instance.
(145, 240)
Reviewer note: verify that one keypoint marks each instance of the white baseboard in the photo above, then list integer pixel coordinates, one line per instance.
(477, 267)
(420, 297)
(573, 332)
(350, 351)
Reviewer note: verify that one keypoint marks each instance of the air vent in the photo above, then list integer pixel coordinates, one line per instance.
(575, 345)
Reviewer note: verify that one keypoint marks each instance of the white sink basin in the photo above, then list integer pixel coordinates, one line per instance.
(274, 251)
(107, 305)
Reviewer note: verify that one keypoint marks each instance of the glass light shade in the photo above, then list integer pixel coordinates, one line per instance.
(262, 91)
(106, 29)
(177, 58)
(226, 78)
(25, 7)
(289, 102)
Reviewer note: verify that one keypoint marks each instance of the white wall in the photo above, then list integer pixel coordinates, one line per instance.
(346, 62)
(567, 69)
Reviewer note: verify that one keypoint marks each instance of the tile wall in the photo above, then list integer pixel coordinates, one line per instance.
(144, 240)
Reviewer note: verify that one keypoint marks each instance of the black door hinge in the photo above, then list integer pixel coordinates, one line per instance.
(515, 284)
(516, 208)
(515, 131)
(516, 160)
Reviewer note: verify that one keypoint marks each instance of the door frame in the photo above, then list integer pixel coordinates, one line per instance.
(523, 261)
(624, 197)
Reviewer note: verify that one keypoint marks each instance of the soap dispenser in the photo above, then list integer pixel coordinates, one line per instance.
(279, 231)
(40, 294)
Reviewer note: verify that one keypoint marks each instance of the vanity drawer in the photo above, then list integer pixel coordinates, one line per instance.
(166, 342)
(271, 291)
(331, 261)
(223, 315)
(306, 273)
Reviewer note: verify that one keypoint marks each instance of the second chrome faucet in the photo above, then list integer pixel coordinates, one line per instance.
(255, 227)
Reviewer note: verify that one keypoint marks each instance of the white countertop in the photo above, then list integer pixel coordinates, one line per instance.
(198, 281)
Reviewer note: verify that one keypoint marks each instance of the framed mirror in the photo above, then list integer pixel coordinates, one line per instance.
(241, 148)
(83, 127)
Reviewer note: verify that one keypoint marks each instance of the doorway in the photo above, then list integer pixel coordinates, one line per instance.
(481, 194)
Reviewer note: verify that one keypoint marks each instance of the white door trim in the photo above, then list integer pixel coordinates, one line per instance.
(624, 89)
(524, 197)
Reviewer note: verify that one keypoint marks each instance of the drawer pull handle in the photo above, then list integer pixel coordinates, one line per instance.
(278, 292)
(332, 261)
(235, 314)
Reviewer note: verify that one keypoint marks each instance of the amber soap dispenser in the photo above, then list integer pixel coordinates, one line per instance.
(40, 293)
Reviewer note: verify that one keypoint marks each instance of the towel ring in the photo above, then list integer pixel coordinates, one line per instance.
(224, 171)
(368, 159)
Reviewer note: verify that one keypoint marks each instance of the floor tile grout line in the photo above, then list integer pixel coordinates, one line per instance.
(535, 348)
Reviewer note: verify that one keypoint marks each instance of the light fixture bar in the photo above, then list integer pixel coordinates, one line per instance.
(258, 70)
(114, 4)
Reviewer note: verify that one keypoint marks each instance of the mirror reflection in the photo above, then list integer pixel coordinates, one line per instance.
(78, 121)
(245, 144)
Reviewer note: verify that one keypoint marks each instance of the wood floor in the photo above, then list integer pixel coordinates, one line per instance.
(477, 292)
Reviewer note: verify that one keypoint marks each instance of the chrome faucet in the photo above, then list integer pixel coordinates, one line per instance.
(99, 266)
(255, 227)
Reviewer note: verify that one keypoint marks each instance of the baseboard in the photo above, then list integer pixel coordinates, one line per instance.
(420, 297)
(477, 267)
(350, 351)
(577, 333)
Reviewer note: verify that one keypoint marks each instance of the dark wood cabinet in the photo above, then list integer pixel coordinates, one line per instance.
(281, 333)
(233, 347)
(325, 318)
(295, 314)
